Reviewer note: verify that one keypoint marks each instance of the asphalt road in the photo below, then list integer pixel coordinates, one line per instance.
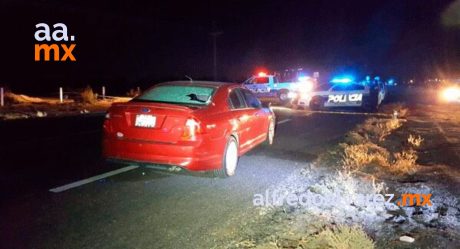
(142, 208)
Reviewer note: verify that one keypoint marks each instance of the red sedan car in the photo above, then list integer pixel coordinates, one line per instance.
(197, 126)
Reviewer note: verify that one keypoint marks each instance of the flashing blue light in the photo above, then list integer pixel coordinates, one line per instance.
(342, 80)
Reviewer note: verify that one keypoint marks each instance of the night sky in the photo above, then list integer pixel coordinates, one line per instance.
(122, 44)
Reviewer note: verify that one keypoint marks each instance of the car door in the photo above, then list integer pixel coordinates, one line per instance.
(345, 95)
(259, 119)
(240, 119)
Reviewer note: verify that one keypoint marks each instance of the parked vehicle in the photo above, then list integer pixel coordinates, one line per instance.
(343, 93)
(197, 126)
(277, 89)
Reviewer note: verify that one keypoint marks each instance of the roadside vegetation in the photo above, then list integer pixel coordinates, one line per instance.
(366, 150)
(88, 96)
(340, 237)
(21, 106)
(379, 156)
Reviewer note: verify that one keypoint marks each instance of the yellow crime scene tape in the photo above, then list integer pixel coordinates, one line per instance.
(355, 113)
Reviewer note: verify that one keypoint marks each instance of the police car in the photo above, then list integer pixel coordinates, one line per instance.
(279, 88)
(343, 93)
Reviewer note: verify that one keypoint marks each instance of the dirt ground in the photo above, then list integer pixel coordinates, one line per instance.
(436, 171)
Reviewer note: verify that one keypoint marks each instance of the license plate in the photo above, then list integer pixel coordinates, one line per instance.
(143, 120)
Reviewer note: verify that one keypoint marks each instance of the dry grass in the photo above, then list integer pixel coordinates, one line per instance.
(11, 98)
(405, 162)
(386, 127)
(356, 156)
(362, 150)
(378, 129)
(89, 96)
(20, 98)
(340, 237)
(353, 137)
(415, 141)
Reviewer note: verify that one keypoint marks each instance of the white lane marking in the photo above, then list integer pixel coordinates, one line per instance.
(91, 179)
(284, 121)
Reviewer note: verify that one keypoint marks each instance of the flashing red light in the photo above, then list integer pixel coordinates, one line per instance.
(262, 74)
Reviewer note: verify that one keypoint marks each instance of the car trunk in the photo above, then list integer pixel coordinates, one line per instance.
(149, 122)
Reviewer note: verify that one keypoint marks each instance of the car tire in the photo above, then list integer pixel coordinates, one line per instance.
(283, 98)
(316, 104)
(229, 159)
(270, 133)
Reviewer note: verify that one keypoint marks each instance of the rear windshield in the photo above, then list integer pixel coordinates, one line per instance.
(182, 95)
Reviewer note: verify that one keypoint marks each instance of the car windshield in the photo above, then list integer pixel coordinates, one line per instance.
(181, 95)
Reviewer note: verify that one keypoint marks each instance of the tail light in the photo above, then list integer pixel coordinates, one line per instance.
(191, 130)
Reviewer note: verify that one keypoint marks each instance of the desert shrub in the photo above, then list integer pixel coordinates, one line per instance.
(353, 137)
(356, 156)
(415, 141)
(401, 109)
(378, 129)
(88, 95)
(405, 162)
(386, 127)
(340, 237)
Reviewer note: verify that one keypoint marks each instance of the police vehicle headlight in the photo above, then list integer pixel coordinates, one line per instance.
(451, 94)
(305, 96)
(307, 87)
(292, 95)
